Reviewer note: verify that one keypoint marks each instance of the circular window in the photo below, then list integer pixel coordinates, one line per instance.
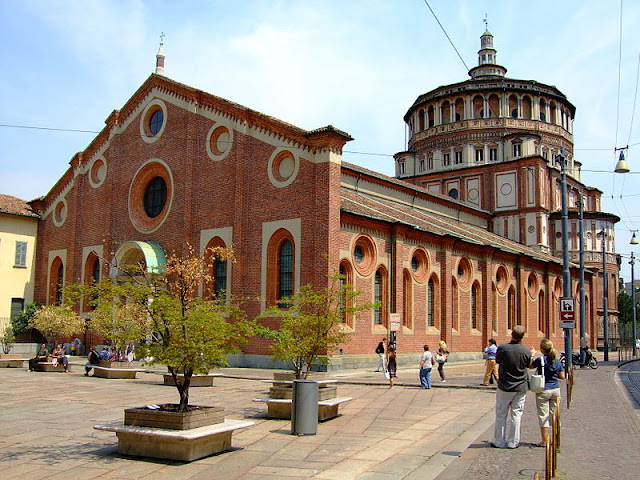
(532, 285)
(153, 121)
(283, 168)
(60, 213)
(156, 121)
(420, 265)
(98, 172)
(465, 272)
(453, 193)
(219, 141)
(502, 278)
(364, 254)
(150, 196)
(155, 197)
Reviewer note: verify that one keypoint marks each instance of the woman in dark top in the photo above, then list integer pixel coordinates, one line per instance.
(391, 366)
(547, 400)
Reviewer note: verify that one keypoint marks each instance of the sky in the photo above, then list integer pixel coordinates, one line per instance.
(358, 65)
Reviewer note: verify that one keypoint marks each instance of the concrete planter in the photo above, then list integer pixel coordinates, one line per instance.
(156, 418)
(108, 364)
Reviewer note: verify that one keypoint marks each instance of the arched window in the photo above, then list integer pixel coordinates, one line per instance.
(430, 117)
(541, 322)
(285, 270)
(446, 112)
(218, 270)
(475, 307)
(459, 109)
(526, 108)
(280, 268)
(421, 119)
(56, 282)
(494, 106)
(431, 322)
(511, 308)
(380, 297)
(514, 112)
(346, 279)
(91, 277)
(407, 310)
(478, 107)
(455, 322)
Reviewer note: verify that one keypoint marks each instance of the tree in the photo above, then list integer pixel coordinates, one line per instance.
(56, 322)
(311, 327)
(7, 339)
(20, 323)
(183, 331)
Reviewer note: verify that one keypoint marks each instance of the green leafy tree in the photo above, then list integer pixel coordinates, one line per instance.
(625, 307)
(56, 322)
(188, 334)
(311, 328)
(20, 323)
(7, 339)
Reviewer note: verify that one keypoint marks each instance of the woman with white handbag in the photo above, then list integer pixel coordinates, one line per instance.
(550, 367)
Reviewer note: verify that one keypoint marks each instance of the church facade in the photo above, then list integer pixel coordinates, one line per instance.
(443, 254)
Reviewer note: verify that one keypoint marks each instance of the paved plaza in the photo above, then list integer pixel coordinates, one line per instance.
(47, 420)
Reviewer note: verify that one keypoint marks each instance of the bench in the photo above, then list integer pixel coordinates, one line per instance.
(48, 367)
(281, 407)
(119, 373)
(12, 362)
(196, 380)
(184, 445)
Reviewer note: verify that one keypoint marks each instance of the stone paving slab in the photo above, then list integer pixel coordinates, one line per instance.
(406, 433)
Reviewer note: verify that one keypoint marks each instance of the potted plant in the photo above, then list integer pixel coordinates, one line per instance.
(182, 330)
(7, 340)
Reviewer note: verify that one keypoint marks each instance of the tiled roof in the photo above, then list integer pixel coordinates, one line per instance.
(14, 206)
(432, 223)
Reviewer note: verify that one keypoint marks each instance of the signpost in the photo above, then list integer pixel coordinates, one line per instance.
(567, 312)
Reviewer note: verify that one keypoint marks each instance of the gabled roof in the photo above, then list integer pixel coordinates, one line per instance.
(15, 206)
(386, 210)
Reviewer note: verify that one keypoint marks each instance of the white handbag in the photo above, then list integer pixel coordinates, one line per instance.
(536, 382)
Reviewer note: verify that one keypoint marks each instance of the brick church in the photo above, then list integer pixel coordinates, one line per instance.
(461, 245)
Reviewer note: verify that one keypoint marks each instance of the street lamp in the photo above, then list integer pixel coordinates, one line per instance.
(566, 274)
(622, 166)
(633, 295)
(605, 296)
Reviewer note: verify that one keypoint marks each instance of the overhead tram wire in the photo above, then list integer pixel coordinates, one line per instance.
(446, 34)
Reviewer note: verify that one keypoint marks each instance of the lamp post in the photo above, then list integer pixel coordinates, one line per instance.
(633, 304)
(583, 340)
(566, 274)
(605, 296)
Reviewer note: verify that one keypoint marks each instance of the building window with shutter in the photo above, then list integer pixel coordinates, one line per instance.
(21, 255)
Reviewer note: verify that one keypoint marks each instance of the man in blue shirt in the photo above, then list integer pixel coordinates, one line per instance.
(513, 359)
(491, 365)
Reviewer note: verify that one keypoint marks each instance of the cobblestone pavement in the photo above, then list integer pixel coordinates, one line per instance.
(47, 419)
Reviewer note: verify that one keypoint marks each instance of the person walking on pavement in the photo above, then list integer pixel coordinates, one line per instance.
(513, 359)
(426, 364)
(381, 350)
(442, 355)
(547, 400)
(491, 365)
(391, 366)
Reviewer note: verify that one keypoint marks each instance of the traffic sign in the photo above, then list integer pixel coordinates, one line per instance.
(567, 312)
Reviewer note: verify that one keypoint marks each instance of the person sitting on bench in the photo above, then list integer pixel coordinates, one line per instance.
(41, 356)
(94, 360)
(58, 356)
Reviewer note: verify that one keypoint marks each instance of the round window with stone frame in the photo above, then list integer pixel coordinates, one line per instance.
(502, 279)
(283, 168)
(464, 272)
(153, 121)
(364, 255)
(420, 265)
(219, 141)
(150, 196)
(97, 172)
(60, 213)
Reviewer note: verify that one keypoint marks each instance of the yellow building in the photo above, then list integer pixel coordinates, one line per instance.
(18, 227)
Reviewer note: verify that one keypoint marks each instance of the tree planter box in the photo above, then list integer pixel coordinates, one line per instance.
(196, 380)
(183, 445)
(119, 373)
(286, 392)
(198, 417)
(108, 364)
(12, 362)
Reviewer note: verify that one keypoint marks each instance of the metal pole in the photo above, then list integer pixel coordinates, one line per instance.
(633, 303)
(605, 297)
(583, 340)
(566, 274)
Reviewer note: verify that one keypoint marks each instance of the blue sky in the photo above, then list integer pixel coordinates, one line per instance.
(355, 64)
